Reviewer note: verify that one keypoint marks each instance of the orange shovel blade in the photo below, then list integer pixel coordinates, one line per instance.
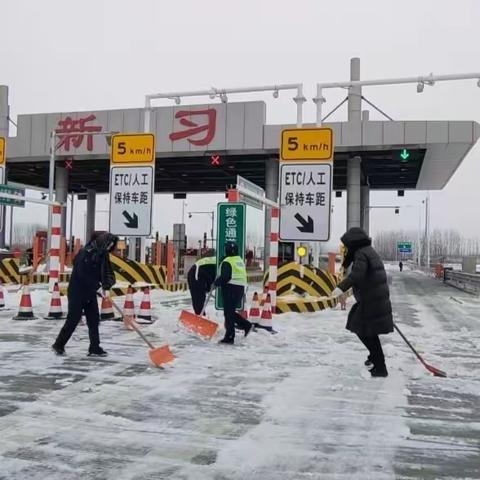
(161, 355)
(198, 324)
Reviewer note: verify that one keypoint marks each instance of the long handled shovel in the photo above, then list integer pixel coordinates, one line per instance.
(436, 372)
(198, 323)
(158, 355)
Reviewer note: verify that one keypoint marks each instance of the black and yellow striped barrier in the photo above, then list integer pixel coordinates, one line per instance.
(131, 272)
(303, 279)
(9, 271)
(126, 272)
(176, 287)
(295, 281)
(304, 305)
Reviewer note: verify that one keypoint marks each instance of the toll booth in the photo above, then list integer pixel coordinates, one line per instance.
(286, 252)
(40, 242)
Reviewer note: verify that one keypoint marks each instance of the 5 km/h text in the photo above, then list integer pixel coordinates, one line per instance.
(307, 144)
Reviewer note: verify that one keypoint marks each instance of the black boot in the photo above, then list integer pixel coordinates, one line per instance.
(96, 352)
(228, 341)
(369, 362)
(380, 371)
(248, 329)
(58, 349)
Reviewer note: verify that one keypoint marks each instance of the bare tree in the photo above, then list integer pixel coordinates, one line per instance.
(443, 243)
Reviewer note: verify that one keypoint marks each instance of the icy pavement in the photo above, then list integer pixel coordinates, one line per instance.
(296, 405)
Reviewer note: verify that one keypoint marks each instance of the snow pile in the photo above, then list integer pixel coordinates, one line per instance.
(296, 405)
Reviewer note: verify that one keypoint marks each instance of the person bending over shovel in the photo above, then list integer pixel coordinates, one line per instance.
(200, 278)
(91, 270)
(232, 280)
(372, 314)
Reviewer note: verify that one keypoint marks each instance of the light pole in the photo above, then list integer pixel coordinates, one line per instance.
(421, 81)
(212, 215)
(222, 93)
(184, 203)
(427, 231)
(51, 172)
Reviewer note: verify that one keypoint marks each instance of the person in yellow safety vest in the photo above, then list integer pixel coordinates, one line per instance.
(232, 280)
(200, 278)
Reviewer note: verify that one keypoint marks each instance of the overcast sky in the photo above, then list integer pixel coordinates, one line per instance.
(99, 54)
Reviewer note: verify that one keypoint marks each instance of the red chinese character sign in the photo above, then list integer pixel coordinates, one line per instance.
(200, 124)
(72, 133)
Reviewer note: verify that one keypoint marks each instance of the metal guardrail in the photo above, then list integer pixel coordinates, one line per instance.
(464, 281)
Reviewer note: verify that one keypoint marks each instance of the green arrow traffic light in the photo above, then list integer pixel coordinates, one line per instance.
(404, 155)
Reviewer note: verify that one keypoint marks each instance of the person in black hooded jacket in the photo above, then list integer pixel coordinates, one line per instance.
(91, 270)
(372, 314)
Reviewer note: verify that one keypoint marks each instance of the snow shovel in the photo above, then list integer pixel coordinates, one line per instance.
(198, 323)
(158, 355)
(436, 372)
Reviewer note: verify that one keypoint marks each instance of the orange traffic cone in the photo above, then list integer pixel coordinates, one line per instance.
(25, 310)
(129, 309)
(145, 313)
(254, 314)
(266, 318)
(55, 312)
(106, 308)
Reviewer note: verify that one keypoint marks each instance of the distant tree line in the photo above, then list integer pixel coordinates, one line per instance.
(443, 243)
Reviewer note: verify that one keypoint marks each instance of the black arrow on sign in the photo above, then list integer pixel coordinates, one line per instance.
(132, 222)
(307, 226)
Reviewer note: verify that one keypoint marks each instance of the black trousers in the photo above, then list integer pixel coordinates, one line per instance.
(375, 349)
(232, 295)
(77, 305)
(198, 294)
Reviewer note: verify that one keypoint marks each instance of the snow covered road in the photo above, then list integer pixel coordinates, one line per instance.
(296, 405)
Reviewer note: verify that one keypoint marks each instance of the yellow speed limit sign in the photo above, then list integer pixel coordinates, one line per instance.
(133, 148)
(2, 151)
(307, 144)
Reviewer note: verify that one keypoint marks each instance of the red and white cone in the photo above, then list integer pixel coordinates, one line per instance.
(266, 318)
(55, 312)
(145, 312)
(264, 297)
(106, 309)
(129, 309)
(254, 314)
(25, 310)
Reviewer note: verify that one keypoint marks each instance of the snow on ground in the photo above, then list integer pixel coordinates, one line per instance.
(296, 405)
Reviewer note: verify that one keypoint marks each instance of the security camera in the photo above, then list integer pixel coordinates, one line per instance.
(223, 98)
(177, 100)
(275, 93)
(420, 87)
(189, 215)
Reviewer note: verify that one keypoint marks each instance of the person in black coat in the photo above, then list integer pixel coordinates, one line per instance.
(372, 314)
(91, 270)
(232, 282)
(200, 279)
